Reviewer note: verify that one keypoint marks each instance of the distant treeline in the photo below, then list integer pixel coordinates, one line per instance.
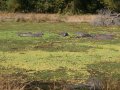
(58, 6)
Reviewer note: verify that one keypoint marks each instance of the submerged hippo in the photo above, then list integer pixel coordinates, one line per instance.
(30, 34)
(64, 34)
(81, 34)
(103, 36)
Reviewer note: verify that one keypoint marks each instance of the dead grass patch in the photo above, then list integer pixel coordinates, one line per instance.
(33, 17)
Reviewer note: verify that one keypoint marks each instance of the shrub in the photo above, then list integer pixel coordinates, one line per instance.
(3, 5)
(108, 73)
(13, 5)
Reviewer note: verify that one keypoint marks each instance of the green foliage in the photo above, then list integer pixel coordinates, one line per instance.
(58, 6)
(3, 5)
(13, 5)
(50, 6)
(87, 6)
(112, 4)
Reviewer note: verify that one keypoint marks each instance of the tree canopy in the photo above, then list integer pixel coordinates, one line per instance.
(58, 6)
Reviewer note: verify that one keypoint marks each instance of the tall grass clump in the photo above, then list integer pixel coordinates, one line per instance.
(108, 73)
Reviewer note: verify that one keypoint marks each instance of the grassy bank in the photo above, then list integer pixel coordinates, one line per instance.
(53, 56)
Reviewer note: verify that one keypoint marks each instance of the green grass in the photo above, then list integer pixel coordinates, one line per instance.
(53, 56)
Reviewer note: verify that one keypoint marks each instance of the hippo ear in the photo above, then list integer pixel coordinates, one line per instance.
(29, 32)
(19, 33)
(42, 33)
(64, 34)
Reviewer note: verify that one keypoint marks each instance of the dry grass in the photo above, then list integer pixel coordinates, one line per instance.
(33, 17)
(10, 82)
(18, 82)
(80, 18)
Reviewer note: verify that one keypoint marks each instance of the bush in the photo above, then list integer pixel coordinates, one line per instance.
(3, 5)
(108, 73)
(13, 5)
(112, 4)
(59, 6)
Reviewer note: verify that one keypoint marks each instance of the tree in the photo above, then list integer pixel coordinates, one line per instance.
(59, 6)
(3, 5)
(88, 6)
(13, 5)
(111, 4)
(27, 5)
